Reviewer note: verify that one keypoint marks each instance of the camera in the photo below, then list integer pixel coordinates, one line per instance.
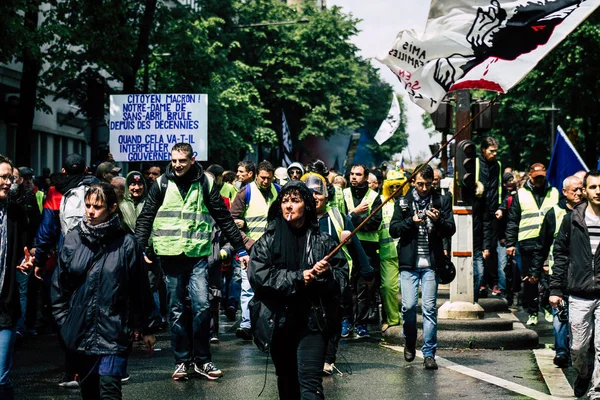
(563, 312)
(422, 215)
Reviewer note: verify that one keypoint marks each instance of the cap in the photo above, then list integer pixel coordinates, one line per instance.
(135, 177)
(26, 171)
(507, 177)
(74, 164)
(536, 170)
(315, 183)
(106, 167)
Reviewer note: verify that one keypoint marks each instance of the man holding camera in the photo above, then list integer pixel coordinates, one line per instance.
(572, 190)
(422, 219)
(576, 273)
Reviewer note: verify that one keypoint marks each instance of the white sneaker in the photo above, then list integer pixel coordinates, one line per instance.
(532, 320)
(180, 372)
(328, 368)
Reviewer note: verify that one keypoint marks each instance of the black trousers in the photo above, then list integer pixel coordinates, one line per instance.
(299, 355)
(94, 386)
(531, 293)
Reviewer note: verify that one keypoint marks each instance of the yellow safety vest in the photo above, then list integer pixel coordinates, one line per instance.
(183, 225)
(387, 244)
(338, 200)
(532, 216)
(257, 211)
(371, 195)
(559, 215)
(228, 191)
(338, 224)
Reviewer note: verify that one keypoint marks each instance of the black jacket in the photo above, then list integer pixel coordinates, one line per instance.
(403, 226)
(213, 200)
(514, 218)
(575, 271)
(374, 223)
(277, 289)
(100, 293)
(10, 308)
(545, 240)
(484, 208)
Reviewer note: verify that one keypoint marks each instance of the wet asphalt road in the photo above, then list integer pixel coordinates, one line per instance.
(370, 371)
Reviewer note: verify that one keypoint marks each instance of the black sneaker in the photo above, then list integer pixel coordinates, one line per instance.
(561, 360)
(180, 373)
(430, 363)
(208, 370)
(243, 333)
(214, 338)
(230, 313)
(409, 353)
(580, 386)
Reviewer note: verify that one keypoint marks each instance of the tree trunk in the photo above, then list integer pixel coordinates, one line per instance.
(141, 52)
(28, 88)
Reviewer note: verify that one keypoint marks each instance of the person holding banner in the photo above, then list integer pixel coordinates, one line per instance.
(183, 245)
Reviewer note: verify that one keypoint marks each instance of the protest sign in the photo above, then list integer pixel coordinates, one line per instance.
(144, 127)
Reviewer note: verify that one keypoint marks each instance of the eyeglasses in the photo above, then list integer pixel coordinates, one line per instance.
(8, 178)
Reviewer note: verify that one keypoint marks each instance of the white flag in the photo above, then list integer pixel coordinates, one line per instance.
(391, 123)
(480, 44)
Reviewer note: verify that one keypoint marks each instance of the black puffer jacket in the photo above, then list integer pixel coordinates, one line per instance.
(277, 289)
(403, 226)
(100, 293)
(576, 271)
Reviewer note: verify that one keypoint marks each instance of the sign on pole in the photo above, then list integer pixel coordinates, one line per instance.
(144, 127)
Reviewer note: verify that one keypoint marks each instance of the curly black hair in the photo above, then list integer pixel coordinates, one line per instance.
(299, 188)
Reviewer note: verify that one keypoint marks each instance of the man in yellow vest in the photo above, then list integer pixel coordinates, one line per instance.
(249, 210)
(178, 213)
(360, 202)
(573, 194)
(525, 218)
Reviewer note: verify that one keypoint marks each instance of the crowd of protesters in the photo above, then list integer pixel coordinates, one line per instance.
(174, 245)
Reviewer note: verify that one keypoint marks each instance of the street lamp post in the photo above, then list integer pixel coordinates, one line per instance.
(552, 110)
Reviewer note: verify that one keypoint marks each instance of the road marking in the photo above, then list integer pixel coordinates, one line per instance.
(494, 380)
(554, 377)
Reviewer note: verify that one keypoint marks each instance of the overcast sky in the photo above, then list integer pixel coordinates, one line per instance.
(381, 22)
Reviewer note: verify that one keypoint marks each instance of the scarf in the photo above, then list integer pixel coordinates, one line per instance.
(102, 230)
(289, 245)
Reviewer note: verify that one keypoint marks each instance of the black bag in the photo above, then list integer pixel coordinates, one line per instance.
(513, 276)
(446, 272)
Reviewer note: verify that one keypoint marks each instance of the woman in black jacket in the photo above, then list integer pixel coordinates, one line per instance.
(298, 293)
(100, 294)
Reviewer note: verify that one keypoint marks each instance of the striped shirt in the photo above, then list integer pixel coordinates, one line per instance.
(593, 225)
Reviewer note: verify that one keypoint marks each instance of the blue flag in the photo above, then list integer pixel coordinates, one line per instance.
(565, 160)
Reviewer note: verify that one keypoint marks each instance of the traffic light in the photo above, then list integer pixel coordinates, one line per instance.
(465, 163)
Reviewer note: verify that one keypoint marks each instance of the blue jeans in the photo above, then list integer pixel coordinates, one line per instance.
(7, 341)
(247, 295)
(478, 270)
(232, 285)
(561, 333)
(502, 260)
(22, 281)
(189, 308)
(409, 283)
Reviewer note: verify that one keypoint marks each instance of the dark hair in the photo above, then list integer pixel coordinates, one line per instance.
(488, 142)
(592, 172)
(103, 192)
(299, 188)
(264, 165)
(363, 166)
(184, 148)
(216, 170)
(318, 167)
(425, 170)
(4, 159)
(249, 166)
(228, 176)
(146, 166)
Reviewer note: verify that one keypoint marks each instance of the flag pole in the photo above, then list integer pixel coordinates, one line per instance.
(401, 187)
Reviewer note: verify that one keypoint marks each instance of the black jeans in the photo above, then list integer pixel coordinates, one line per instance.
(530, 290)
(299, 355)
(94, 386)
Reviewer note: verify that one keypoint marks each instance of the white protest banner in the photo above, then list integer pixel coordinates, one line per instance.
(144, 127)
(390, 124)
(480, 44)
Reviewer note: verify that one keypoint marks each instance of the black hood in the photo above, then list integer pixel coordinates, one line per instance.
(66, 182)
(360, 190)
(310, 212)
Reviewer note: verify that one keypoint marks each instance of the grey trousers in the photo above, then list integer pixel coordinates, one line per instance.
(584, 321)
